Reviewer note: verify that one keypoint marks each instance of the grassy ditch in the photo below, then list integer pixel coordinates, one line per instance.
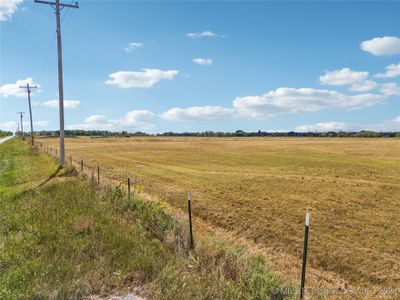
(64, 238)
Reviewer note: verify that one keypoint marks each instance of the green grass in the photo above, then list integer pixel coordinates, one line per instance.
(64, 238)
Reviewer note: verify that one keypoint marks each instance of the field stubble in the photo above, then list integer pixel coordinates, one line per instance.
(259, 189)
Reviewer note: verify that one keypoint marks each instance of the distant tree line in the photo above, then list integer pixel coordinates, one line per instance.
(237, 133)
(4, 133)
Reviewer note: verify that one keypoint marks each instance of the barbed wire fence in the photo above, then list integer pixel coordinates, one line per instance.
(133, 185)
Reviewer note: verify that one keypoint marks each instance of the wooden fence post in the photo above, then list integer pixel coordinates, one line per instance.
(81, 165)
(98, 174)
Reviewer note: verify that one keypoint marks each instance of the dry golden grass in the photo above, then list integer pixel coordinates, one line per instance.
(260, 188)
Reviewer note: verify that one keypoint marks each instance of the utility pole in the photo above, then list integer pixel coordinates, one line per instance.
(21, 114)
(57, 6)
(28, 90)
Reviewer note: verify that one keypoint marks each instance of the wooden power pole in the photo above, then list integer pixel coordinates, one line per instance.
(57, 6)
(21, 114)
(28, 90)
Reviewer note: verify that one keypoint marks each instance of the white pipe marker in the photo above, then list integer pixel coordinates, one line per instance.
(307, 218)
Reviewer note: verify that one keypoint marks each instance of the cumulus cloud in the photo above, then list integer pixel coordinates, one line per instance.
(282, 101)
(135, 120)
(322, 127)
(139, 119)
(96, 119)
(344, 76)
(67, 104)
(203, 61)
(359, 82)
(292, 100)
(197, 113)
(387, 89)
(365, 86)
(13, 89)
(8, 8)
(146, 78)
(390, 89)
(207, 33)
(387, 45)
(392, 71)
(133, 46)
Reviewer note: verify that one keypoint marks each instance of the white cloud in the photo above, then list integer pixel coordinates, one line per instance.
(140, 119)
(390, 89)
(40, 123)
(207, 33)
(27, 124)
(133, 46)
(386, 125)
(391, 125)
(135, 120)
(359, 82)
(282, 101)
(387, 45)
(391, 71)
(146, 78)
(13, 89)
(322, 127)
(365, 86)
(96, 119)
(344, 76)
(11, 125)
(291, 100)
(387, 89)
(203, 61)
(197, 113)
(8, 8)
(67, 104)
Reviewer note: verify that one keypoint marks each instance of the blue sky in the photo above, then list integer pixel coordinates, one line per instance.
(195, 66)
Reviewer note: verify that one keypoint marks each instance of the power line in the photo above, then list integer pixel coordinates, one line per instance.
(53, 38)
(57, 6)
(66, 13)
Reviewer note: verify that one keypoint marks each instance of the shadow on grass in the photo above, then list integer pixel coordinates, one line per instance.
(47, 180)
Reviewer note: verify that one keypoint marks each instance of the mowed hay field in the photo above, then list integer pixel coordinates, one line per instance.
(260, 188)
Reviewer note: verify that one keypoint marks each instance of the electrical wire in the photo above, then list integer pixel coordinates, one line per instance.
(52, 41)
